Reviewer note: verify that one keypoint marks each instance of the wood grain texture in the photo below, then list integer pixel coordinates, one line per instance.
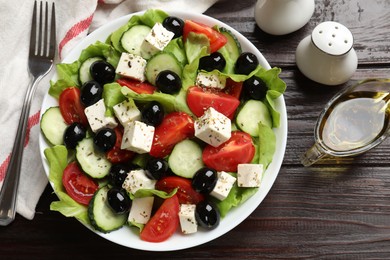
(369, 22)
(337, 209)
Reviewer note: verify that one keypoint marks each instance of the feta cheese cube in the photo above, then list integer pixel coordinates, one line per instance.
(210, 80)
(157, 39)
(137, 137)
(141, 210)
(249, 175)
(131, 66)
(187, 218)
(213, 127)
(137, 179)
(97, 119)
(127, 111)
(224, 184)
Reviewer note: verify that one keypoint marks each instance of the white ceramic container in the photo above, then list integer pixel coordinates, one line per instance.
(327, 56)
(280, 17)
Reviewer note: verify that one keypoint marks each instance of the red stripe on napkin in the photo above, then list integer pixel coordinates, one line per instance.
(32, 121)
(74, 31)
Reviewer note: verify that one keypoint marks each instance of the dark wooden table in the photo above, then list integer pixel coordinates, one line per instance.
(335, 209)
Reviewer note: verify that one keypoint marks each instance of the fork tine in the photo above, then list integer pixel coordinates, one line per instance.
(40, 31)
(52, 47)
(46, 32)
(33, 35)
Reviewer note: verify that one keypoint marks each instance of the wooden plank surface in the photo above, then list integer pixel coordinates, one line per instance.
(337, 209)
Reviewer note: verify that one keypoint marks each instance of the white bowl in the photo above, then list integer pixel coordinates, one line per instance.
(127, 236)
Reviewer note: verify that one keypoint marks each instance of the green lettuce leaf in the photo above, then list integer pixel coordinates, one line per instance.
(266, 145)
(141, 160)
(276, 88)
(141, 193)
(196, 46)
(236, 197)
(112, 95)
(169, 102)
(137, 225)
(57, 87)
(176, 47)
(57, 157)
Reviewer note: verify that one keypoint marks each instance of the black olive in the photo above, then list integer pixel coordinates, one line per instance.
(156, 168)
(207, 215)
(246, 63)
(254, 88)
(168, 82)
(73, 134)
(215, 61)
(91, 92)
(152, 113)
(204, 180)
(105, 139)
(119, 200)
(118, 173)
(175, 25)
(102, 71)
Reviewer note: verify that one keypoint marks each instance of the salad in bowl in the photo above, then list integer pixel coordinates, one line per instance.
(163, 131)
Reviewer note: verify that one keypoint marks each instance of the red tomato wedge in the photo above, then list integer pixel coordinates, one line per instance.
(137, 86)
(163, 223)
(238, 149)
(174, 128)
(78, 186)
(72, 110)
(116, 154)
(200, 99)
(233, 88)
(217, 39)
(185, 193)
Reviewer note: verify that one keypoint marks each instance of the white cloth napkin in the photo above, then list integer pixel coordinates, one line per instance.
(75, 19)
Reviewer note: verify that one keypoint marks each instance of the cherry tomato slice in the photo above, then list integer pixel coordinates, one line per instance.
(163, 223)
(238, 149)
(78, 186)
(185, 193)
(137, 86)
(174, 128)
(116, 154)
(72, 110)
(217, 39)
(200, 99)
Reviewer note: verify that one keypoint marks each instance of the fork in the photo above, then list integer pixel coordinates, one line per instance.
(40, 61)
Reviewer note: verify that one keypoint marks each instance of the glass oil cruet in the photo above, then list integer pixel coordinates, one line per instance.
(353, 121)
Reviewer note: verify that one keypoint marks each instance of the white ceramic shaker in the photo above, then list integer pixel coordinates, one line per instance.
(280, 17)
(327, 56)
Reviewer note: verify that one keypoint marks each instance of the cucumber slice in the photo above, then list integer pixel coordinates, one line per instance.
(133, 38)
(251, 113)
(101, 216)
(159, 62)
(84, 74)
(233, 46)
(186, 159)
(53, 126)
(93, 162)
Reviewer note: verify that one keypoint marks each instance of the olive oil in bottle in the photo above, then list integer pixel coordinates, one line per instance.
(355, 120)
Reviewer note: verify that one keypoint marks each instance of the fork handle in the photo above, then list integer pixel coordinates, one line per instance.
(11, 182)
